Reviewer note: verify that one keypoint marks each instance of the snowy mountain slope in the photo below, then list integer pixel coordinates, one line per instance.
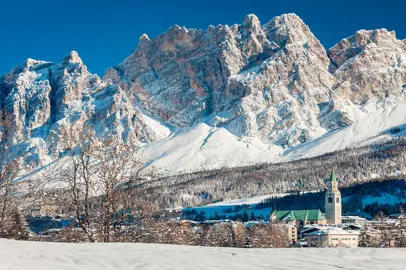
(203, 148)
(292, 101)
(221, 97)
(371, 124)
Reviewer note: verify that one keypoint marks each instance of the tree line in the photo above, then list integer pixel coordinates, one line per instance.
(374, 163)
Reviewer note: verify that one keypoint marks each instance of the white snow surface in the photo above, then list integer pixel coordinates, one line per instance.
(371, 122)
(385, 198)
(41, 255)
(253, 200)
(204, 147)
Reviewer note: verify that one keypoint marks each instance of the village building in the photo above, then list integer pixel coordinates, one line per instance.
(360, 214)
(332, 237)
(353, 220)
(50, 210)
(333, 201)
(353, 227)
(292, 233)
(314, 216)
(309, 229)
(299, 217)
(399, 216)
(313, 228)
(328, 230)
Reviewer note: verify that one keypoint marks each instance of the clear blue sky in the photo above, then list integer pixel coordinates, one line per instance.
(104, 32)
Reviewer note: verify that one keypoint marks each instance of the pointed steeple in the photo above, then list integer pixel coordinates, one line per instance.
(333, 200)
(332, 177)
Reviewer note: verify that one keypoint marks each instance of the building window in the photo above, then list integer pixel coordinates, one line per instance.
(330, 200)
(338, 200)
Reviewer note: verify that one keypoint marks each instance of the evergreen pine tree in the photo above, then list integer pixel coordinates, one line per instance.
(245, 217)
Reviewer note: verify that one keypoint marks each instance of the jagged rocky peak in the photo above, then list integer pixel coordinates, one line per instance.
(143, 40)
(251, 21)
(287, 28)
(184, 76)
(369, 65)
(251, 26)
(32, 64)
(39, 97)
(72, 58)
(70, 82)
(353, 45)
(252, 36)
(176, 39)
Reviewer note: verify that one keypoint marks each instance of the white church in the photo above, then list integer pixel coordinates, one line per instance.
(321, 230)
(315, 216)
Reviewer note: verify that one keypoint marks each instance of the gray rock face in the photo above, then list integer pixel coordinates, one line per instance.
(243, 71)
(370, 64)
(38, 97)
(275, 82)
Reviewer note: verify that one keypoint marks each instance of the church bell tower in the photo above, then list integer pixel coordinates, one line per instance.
(333, 201)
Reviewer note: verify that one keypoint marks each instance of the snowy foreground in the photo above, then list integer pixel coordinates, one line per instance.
(37, 255)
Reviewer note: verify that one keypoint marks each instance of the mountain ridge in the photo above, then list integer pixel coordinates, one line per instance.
(224, 96)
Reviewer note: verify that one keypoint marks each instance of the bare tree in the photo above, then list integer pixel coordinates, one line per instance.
(9, 170)
(93, 173)
(240, 235)
(77, 172)
(117, 163)
(269, 236)
(401, 241)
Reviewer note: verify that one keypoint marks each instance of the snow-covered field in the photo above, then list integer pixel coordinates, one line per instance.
(231, 208)
(385, 198)
(253, 200)
(39, 255)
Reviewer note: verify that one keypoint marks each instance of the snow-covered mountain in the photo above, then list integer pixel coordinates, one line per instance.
(224, 96)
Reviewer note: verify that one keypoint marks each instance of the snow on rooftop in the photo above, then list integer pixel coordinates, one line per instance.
(333, 230)
(352, 217)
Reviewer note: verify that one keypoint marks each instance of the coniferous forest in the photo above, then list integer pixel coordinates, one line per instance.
(375, 163)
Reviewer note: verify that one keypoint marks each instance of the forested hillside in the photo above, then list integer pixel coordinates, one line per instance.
(385, 161)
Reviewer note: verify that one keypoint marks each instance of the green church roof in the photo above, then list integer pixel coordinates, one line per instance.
(333, 177)
(291, 215)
